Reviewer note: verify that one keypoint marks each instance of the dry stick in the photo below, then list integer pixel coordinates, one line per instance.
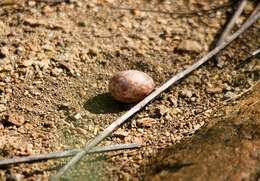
(255, 53)
(257, 9)
(232, 22)
(63, 154)
(150, 97)
(251, 55)
(243, 93)
(230, 25)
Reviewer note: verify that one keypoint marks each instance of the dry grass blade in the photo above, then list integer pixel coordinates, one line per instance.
(112, 127)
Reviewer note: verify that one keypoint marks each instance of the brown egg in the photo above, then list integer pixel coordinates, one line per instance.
(130, 86)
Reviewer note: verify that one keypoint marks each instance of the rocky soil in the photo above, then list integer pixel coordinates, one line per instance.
(56, 59)
(227, 148)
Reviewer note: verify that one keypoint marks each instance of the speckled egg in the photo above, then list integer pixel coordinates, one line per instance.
(130, 86)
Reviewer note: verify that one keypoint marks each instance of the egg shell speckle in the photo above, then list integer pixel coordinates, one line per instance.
(130, 86)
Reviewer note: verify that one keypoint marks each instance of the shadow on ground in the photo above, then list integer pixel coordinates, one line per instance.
(103, 104)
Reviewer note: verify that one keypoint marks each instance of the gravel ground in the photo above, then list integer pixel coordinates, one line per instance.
(56, 60)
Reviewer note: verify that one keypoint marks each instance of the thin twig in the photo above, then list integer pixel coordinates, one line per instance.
(63, 154)
(257, 9)
(251, 55)
(255, 53)
(232, 23)
(251, 105)
(112, 127)
(243, 93)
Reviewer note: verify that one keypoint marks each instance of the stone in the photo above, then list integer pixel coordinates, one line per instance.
(229, 95)
(175, 111)
(186, 93)
(4, 29)
(162, 110)
(120, 133)
(56, 72)
(81, 131)
(134, 139)
(145, 122)
(77, 116)
(4, 51)
(27, 63)
(16, 119)
(193, 99)
(47, 10)
(31, 3)
(15, 177)
(214, 90)
(167, 134)
(2, 108)
(190, 46)
(227, 87)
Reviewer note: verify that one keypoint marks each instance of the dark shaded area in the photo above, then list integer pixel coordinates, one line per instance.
(172, 167)
(104, 103)
(225, 149)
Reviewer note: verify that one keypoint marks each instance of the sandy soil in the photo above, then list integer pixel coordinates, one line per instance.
(56, 60)
(226, 148)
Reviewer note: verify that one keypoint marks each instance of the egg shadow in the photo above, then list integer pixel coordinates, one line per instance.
(104, 104)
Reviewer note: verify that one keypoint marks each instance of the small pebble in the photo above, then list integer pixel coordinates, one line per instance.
(167, 133)
(16, 119)
(2, 108)
(121, 133)
(190, 46)
(4, 51)
(77, 116)
(145, 122)
(186, 93)
(229, 95)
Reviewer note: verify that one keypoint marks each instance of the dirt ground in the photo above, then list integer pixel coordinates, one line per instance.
(56, 60)
(226, 148)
